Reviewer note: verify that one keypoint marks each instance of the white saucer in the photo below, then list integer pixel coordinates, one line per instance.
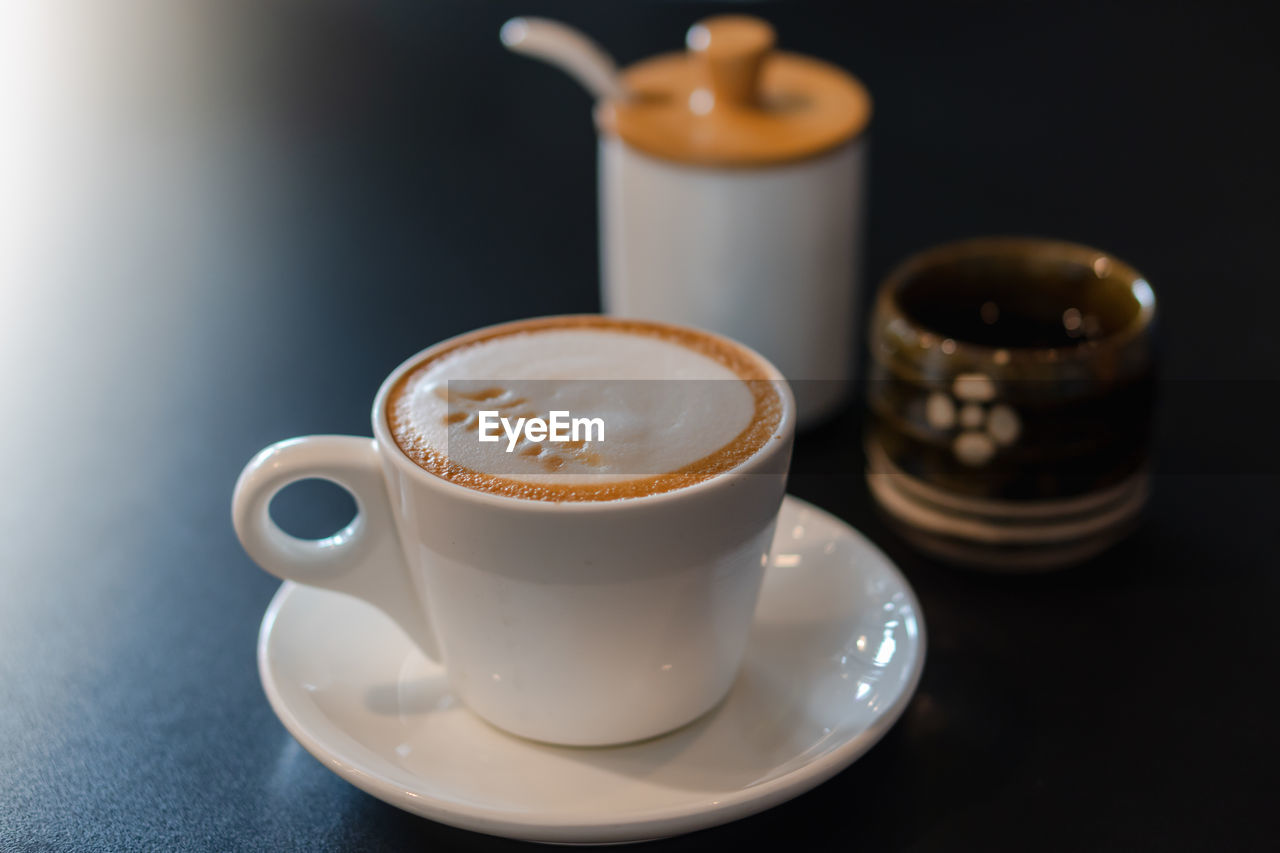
(835, 654)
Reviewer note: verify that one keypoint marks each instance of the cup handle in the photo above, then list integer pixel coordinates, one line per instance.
(363, 559)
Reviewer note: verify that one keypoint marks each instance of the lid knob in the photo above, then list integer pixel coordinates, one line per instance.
(730, 50)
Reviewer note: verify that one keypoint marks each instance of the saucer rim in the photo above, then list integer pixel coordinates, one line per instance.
(658, 823)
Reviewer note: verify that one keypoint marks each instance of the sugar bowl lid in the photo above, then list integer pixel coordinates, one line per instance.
(732, 100)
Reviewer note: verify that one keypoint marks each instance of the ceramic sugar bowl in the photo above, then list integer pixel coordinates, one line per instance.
(731, 189)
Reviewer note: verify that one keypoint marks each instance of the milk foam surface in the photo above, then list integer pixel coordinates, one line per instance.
(663, 405)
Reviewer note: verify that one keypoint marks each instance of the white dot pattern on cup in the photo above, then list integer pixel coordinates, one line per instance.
(971, 416)
(1003, 424)
(974, 388)
(940, 411)
(983, 428)
(973, 448)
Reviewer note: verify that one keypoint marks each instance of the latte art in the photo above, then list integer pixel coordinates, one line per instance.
(658, 408)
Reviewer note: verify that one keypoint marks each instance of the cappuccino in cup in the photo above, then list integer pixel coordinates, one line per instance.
(571, 516)
(645, 408)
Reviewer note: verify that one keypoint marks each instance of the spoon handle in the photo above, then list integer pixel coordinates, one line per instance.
(569, 50)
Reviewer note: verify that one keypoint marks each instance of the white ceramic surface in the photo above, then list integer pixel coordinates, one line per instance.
(580, 623)
(767, 256)
(835, 653)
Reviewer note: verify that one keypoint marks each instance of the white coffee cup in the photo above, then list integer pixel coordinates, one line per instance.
(581, 623)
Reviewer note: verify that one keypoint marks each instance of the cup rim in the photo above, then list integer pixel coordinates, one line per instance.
(889, 307)
(389, 449)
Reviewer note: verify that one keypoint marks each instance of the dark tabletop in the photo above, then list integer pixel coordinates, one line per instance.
(235, 221)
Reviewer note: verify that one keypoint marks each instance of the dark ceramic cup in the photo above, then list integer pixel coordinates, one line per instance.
(1009, 401)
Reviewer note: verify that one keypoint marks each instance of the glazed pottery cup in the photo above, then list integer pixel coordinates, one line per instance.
(1009, 401)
